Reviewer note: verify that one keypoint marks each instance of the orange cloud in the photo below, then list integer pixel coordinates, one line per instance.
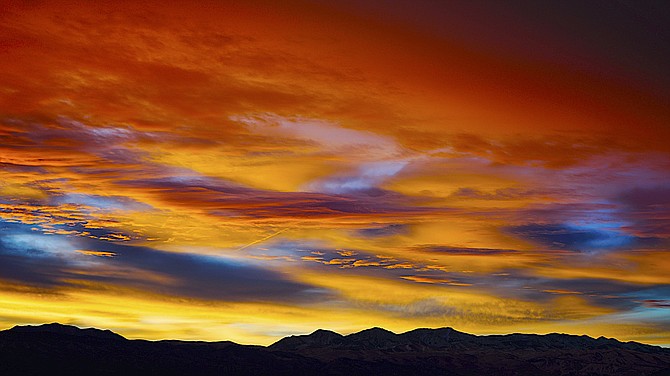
(89, 252)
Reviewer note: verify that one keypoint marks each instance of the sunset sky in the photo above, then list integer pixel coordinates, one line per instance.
(247, 170)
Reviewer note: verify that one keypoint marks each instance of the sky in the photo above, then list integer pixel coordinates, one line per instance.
(247, 170)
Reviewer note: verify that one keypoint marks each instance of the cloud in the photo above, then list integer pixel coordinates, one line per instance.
(66, 143)
(367, 158)
(656, 303)
(649, 198)
(463, 251)
(383, 231)
(223, 198)
(366, 178)
(105, 203)
(328, 136)
(510, 193)
(56, 261)
(647, 209)
(89, 252)
(573, 237)
(433, 280)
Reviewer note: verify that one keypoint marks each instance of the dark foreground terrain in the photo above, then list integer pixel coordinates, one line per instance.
(56, 349)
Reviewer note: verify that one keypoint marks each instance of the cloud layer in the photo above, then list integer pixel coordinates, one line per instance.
(234, 167)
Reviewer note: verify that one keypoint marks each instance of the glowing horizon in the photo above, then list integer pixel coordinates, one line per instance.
(249, 170)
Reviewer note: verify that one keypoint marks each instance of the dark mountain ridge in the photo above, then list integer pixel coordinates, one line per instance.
(423, 338)
(63, 349)
(61, 329)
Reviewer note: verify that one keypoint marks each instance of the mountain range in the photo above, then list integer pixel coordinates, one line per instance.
(62, 349)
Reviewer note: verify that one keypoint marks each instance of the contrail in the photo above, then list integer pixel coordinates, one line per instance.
(263, 239)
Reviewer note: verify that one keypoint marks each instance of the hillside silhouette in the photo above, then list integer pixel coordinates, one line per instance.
(62, 349)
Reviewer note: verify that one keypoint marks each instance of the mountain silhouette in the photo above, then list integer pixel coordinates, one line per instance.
(69, 330)
(62, 349)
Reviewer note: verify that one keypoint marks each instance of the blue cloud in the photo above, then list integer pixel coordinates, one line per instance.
(51, 260)
(100, 202)
(586, 237)
(367, 177)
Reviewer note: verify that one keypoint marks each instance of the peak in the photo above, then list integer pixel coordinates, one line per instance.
(71, 330)
(373, 338)
(446, 329)
(51, 328)
(318, 338)
(375, 331)
(378, 329)
(324, 333)
(438, 337)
